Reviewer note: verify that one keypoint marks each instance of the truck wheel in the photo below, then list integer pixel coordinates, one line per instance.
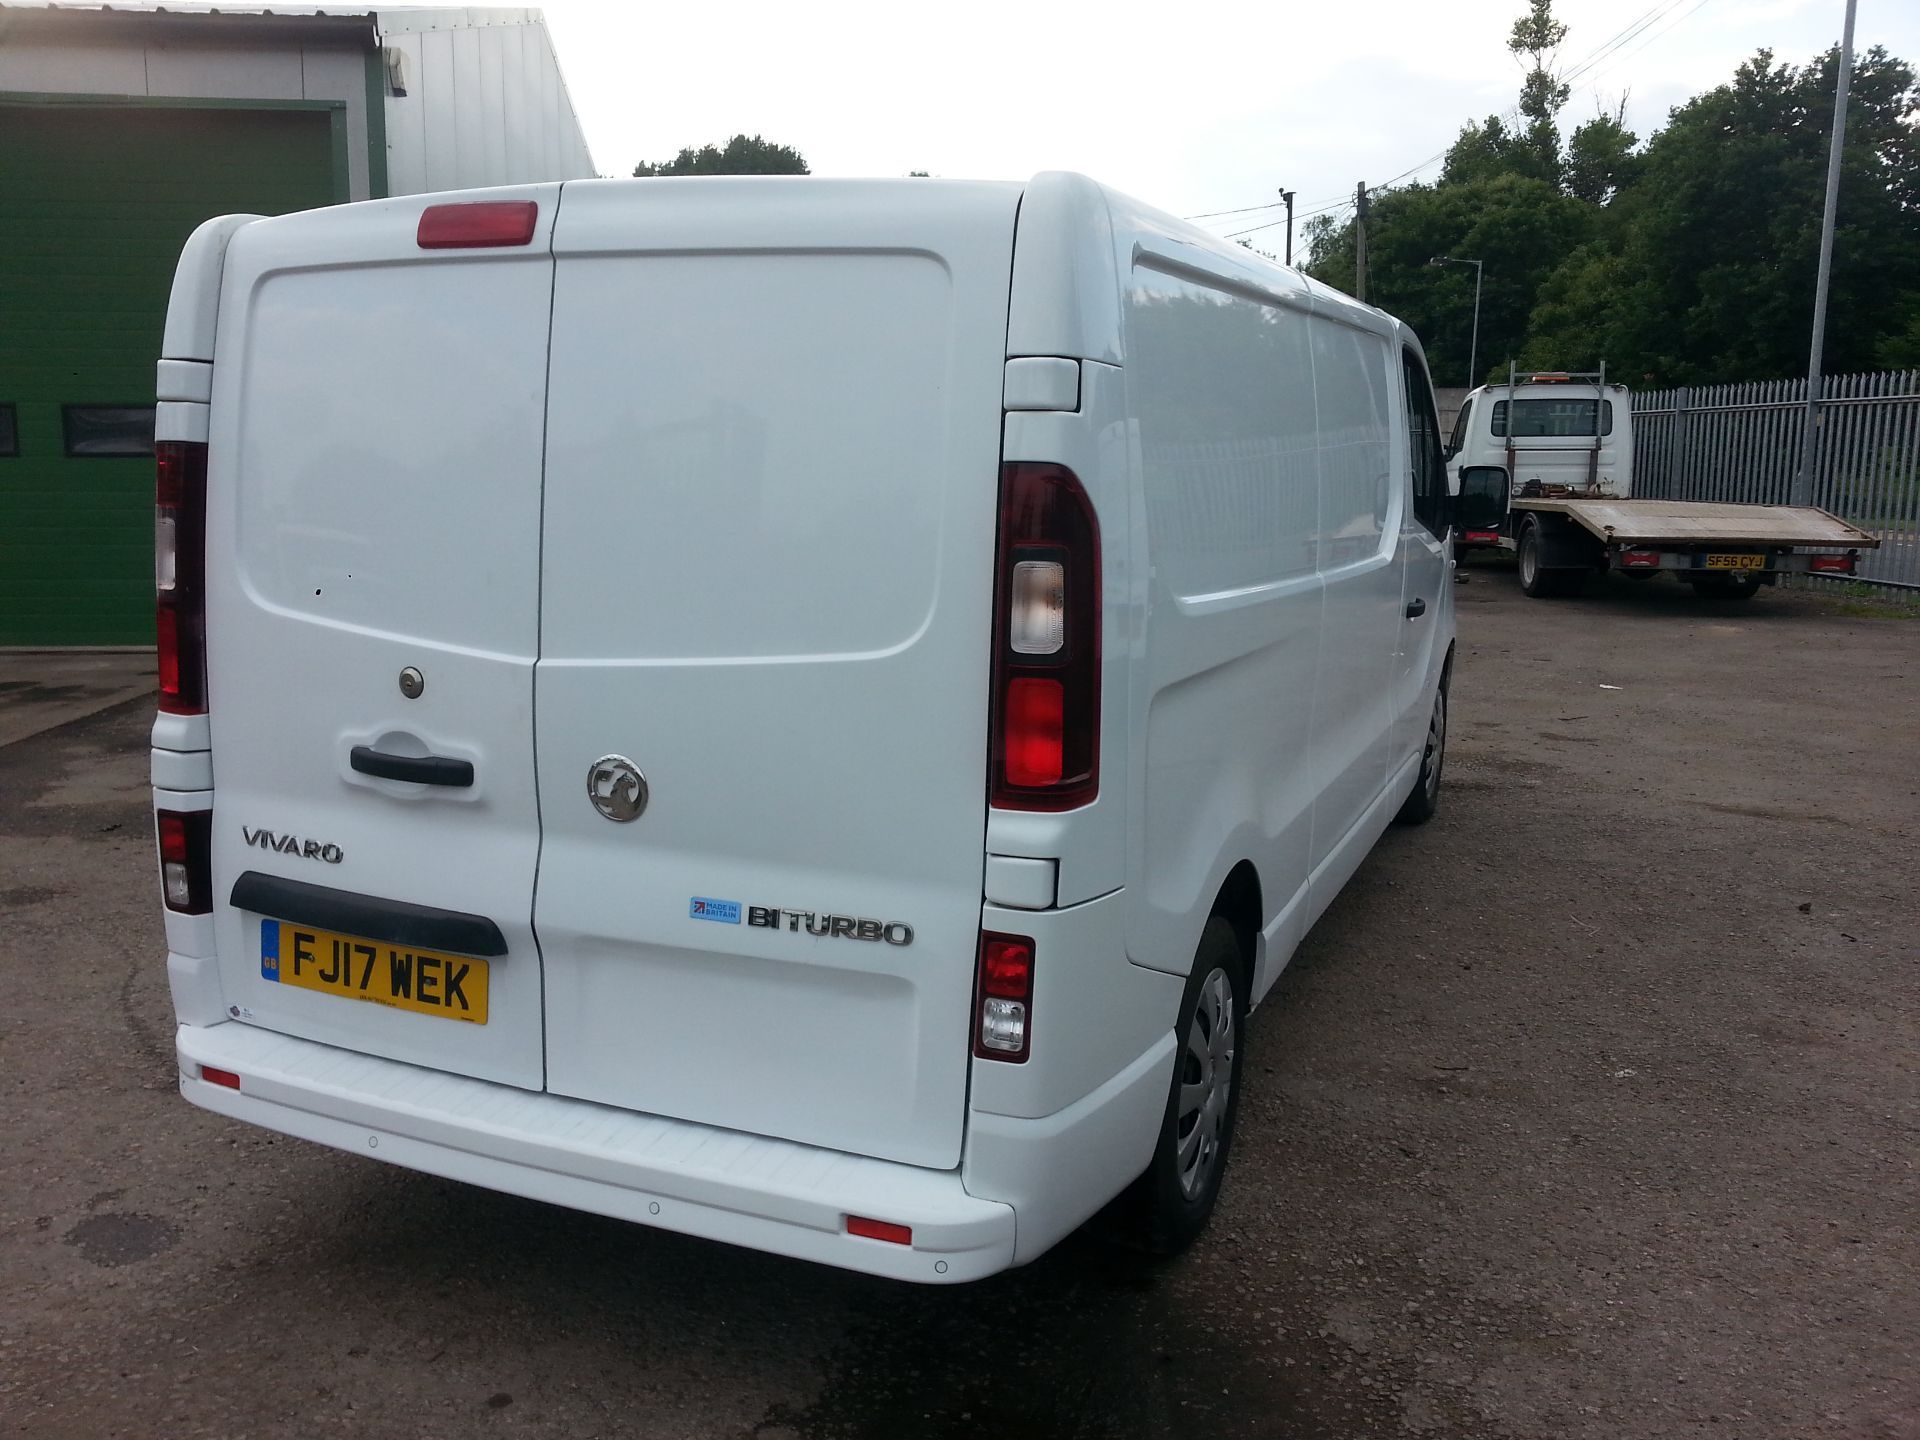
(1424, 802)
(1535, 579)
(1167, 1207)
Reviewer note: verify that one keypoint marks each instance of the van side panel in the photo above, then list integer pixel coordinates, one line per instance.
(1221, 380)
(1356, 385)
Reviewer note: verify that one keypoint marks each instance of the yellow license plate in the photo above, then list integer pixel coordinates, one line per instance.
(427, 982)
(1736, 562)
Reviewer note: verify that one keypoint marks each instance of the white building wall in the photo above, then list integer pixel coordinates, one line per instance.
(485, 102)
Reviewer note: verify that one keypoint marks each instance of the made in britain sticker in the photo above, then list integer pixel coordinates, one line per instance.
(725, 912)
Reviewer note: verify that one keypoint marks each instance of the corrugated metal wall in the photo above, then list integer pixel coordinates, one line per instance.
(1741, 443)
(485, 102)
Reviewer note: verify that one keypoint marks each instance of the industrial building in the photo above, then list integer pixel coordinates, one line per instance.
(121, 129)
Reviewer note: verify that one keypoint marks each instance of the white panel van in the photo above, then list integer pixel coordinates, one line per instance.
(804, 712)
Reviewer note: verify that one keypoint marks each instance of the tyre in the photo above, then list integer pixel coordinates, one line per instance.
(1535, 579)
(1424, 802)
(1168, 1206)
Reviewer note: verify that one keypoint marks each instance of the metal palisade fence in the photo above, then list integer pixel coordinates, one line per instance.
(1741, 443)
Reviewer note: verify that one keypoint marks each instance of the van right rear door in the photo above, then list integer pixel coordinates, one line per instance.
(773, 442)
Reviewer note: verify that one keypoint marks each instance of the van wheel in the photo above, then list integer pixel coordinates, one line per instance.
(1424, 802)
(1168, 1206)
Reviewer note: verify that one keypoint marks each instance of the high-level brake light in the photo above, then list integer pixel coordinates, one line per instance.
(477, 224)
(1046, 647)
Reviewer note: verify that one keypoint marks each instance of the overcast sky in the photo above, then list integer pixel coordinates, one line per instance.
(1201, 107)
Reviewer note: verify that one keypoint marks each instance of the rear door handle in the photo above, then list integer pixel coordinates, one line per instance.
(1415, 609)
(420, 769)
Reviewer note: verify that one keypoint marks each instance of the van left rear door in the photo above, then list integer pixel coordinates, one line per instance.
(372, 600)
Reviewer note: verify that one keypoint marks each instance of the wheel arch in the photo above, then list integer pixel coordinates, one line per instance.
(1239, 903)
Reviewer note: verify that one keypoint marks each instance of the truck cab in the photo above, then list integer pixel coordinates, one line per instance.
(1548, 433)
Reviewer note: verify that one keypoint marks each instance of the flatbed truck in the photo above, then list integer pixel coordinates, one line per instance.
(1543, 467)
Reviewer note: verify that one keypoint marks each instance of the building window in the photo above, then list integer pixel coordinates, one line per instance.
(9, 432)
(108, 431)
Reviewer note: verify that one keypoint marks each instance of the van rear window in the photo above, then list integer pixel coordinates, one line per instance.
(1551, 417)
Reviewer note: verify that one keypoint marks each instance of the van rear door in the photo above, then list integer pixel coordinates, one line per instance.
(373, 518)
(773, 437)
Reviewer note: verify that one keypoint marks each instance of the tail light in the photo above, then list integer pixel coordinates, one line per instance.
(186, 860)
(179, 574)
(1831, 564)
(1046, 650)
(1003, 1004)
(1481, 537)
(1640, 559)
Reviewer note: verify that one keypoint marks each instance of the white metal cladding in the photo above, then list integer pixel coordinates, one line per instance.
(485, 102)
(1741, 443)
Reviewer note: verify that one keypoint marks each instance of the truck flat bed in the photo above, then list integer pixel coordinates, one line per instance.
(1698, 522)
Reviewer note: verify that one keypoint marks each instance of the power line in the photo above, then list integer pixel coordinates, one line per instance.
(1626, 33)
(1243, 210)
(1676, 21)
(1299, 215)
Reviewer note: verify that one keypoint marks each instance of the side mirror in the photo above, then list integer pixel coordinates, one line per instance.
(1483, 498)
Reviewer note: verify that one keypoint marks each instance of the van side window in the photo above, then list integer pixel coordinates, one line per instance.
(1352, 382)
(1423, 445)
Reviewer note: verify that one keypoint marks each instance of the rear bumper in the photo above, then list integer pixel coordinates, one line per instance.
(746, 1190)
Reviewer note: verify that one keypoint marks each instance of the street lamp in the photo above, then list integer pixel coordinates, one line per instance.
(1473, 354)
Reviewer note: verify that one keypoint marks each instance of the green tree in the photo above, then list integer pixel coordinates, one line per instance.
(1518, 226)
(1600, 160)
(742, 155)
(1538, 36)
(1709, 273)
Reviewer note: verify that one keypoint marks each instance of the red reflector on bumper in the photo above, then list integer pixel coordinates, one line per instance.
(1640, 559)
(880, 1230)
(220, 1077)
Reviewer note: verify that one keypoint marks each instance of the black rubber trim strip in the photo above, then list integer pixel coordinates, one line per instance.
(420, 769)
(398, 922)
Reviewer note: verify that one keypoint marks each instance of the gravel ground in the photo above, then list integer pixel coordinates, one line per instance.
(1590, 1110)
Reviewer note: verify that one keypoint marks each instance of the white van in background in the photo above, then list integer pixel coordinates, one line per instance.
(804, 712)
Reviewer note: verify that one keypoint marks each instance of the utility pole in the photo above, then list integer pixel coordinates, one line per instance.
(1360, 240)
(1287, 196)
(1810, 425)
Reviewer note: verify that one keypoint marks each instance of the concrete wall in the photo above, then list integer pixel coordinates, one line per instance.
(485, 102)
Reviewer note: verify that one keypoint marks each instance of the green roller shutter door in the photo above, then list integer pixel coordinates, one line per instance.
(95, 203)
